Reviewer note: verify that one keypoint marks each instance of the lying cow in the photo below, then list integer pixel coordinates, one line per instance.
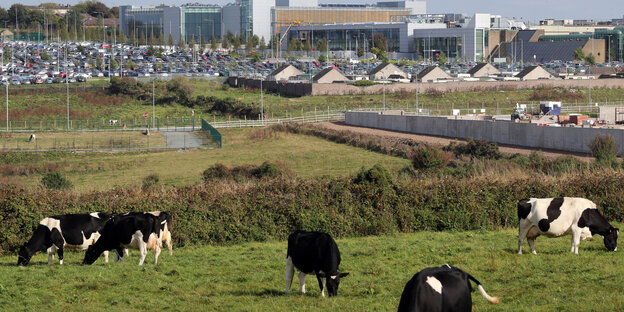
(164, 234)
(444, 288)
(137, 231)
(555, 217)
(72, 231)
(313, 252)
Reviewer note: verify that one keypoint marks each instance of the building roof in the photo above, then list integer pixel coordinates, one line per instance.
(90, 21)
(426, 71)
(529, 69)
(595, 70)
(326, 71)
(6, 32)
(381, 67)
(473, 71)
(544, 51)
(280, 69)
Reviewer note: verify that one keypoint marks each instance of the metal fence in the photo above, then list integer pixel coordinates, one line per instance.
(263, 123)
(102, 124)
(212, 133)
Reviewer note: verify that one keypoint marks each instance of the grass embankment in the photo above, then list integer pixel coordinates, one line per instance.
(250, 276)
(80, 140)
(306, 156)
(48, 104)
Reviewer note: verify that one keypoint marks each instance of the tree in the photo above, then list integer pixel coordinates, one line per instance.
(590, 59)
(181, 43)
(442, 59)
(202, 43)
(360, 52)
(113, 64)
(321, 45)
(322, 58)
(141, 38)
(98, 62)
(170, 41)
(380, 42)
(236, 43)
(262, 44)
(579, 55)
(191, 42)
(122, 37)
(152, 39)
(213, 43)
(292, 45)
(224, 43)
(254, 40)
(249, 46)
(161, 39)
(306, 46)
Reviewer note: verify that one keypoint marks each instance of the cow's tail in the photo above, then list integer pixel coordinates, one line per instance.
(490, 299)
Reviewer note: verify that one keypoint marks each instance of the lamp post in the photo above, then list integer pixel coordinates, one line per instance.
(153, 105)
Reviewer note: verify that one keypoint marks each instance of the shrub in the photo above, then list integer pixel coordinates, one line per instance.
(267, 169)
(216, 172)
(429, 158)
(604, 149)
(364, 83)
(150, 181)
(377, 175)
(55, 181)
(476, 149)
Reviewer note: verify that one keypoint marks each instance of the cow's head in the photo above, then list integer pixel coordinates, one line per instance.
(91, 255)
(23, 256)
(332, 282)
(610, 240)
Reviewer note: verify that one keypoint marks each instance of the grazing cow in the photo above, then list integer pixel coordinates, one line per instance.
(72, 231)
(437, 289)
(164, 234)
(138, 231)
(555, 217)
(32, 138)
(113, 122)
(313, 252)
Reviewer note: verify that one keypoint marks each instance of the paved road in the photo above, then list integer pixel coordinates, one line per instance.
(182, 140)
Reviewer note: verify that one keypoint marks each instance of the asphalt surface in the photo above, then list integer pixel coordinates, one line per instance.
(182, 140)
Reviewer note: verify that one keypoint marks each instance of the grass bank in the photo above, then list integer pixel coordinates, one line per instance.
(250, 276)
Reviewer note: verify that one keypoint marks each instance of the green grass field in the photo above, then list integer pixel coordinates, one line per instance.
(306, 156)
(250, 277)
(81, 140)
(48, 105)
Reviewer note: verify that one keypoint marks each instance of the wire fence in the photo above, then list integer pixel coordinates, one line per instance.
(102, 124)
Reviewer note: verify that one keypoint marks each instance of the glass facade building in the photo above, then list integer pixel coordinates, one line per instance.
(198, 21)
(141, 22)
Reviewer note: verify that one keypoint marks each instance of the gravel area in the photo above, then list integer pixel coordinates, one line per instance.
(442, 141)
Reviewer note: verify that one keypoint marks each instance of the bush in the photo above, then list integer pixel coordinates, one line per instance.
(476, 149)
(429, 158)
(150, 181)
(604, 149)
(55, 181)
(364, 83)
(216, 172)
(267, 169)
(245, 172)
(377, 175)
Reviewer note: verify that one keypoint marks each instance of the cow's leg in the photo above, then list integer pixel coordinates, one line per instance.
(157, 250)
(321, 282)
(531, 236)
(576, 241)
(169, 243)
(302, 277)
(119, 255)
(290, 273)
(51, 252)
(58, 242)
(142, 249)
(523, 229)
(126, 251)
(106, 256)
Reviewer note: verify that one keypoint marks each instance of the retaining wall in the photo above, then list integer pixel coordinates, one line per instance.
(570, 139)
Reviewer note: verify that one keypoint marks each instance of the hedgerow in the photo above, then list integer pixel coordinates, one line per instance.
(227, 212)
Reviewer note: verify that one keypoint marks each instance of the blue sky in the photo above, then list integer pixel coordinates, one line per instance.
(531, 10)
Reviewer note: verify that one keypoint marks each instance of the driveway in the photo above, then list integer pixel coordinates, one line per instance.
(182, 140)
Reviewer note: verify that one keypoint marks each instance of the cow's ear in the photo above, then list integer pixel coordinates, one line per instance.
(321, 274)
(343, 274)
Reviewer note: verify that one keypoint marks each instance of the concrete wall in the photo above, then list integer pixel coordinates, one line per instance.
(503, 132)
(456, 86)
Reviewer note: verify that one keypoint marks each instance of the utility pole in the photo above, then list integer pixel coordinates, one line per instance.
(67, 85)
(7, 106)
(153, 105)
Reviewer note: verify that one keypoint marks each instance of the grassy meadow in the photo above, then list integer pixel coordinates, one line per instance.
(49, 104)
(80, 140)
(307, 156)
(250, 276)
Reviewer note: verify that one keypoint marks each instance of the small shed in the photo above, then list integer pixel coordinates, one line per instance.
(284, 72)
(329, 75)
(484, 70)
(385, 70)
(432, 73)
(534, 73)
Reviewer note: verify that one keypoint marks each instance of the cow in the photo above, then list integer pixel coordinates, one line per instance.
(55, 233)
(138, 231)
(554, 217)
(313, 252)
(438, 289)
(164, 234)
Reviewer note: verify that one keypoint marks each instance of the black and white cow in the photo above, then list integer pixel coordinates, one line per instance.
(313, 252)
(137, 231)
(438, 289)
(54, 234)
(555, 217)
(165, 233)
